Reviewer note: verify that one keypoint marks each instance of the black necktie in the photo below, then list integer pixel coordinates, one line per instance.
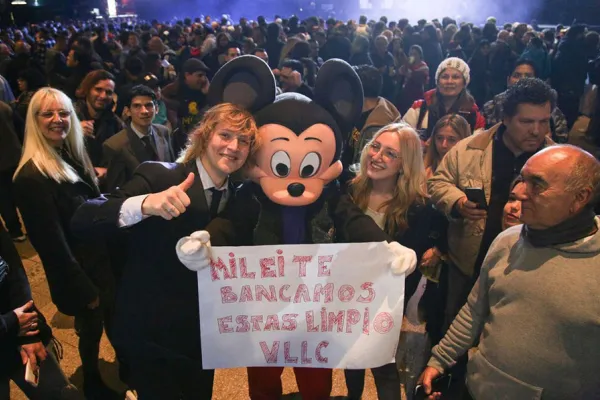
(147, 140)
(214, 203)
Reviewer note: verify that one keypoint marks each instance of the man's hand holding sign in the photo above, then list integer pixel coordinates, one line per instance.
(322, 305)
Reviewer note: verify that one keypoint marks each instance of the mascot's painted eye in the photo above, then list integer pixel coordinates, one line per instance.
(280, 164)
(310, 165)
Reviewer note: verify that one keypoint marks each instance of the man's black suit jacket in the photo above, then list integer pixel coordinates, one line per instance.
(157, 303)
(124, 152)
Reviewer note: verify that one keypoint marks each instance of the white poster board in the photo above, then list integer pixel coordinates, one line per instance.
(320, 306)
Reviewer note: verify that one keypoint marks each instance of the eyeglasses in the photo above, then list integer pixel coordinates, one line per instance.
(387, 154)
(62, 114)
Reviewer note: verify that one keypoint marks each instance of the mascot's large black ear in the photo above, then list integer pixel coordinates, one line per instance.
(246, 81)
(338, 89)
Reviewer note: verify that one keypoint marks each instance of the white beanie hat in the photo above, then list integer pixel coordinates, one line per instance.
(456, 63)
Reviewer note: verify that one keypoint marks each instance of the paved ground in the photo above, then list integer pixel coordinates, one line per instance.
(229, 384)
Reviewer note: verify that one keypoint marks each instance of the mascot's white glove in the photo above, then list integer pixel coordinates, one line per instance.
(194, 251)
(405, 261)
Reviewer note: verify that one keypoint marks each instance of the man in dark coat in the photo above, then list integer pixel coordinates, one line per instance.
(569, 72)
(95, 111)
(139, 142)
(157, 319)
(10, 154)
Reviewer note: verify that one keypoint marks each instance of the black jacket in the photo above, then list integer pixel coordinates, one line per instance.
(363, 58)
(569, 67)
(56, 68)
(10, 146)
(426, 228)
(433, 56)
(273, 48)
(256, 220)
(157, 303)
(125, 151)
(106, 125)
(77, 269)
(337, 46)
(14, 293)
(20, 63)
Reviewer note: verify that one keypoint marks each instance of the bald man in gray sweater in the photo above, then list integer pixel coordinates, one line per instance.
(536, 307)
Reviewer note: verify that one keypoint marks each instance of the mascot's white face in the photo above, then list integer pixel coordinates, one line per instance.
(293, 169)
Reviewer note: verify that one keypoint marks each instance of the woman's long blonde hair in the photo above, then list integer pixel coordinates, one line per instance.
(45, 157)
(410, 184)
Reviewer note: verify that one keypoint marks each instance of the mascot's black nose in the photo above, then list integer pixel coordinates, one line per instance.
(296, 189)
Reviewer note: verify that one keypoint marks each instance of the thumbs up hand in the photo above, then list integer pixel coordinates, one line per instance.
(194, 251)
(170, 203)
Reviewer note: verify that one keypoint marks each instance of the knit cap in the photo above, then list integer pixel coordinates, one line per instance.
(456, 63)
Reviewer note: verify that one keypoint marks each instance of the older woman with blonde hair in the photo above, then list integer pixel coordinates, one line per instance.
(53, 178)
(390, 188)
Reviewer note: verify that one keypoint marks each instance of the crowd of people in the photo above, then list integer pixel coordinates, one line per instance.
(448, 110)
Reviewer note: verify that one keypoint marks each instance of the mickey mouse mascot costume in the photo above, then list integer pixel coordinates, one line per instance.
(292, 197)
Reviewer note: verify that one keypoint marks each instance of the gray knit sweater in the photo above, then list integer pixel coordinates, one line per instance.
(538, 313)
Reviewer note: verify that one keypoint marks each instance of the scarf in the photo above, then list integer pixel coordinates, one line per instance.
(577, 227)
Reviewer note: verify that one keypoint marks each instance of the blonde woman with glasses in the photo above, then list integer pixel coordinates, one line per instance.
(390, 188)
(53, 178)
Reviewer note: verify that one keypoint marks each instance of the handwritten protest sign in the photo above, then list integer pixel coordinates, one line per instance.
(321, 305)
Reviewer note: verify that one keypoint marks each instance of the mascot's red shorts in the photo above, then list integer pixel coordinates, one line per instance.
(265, 383)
